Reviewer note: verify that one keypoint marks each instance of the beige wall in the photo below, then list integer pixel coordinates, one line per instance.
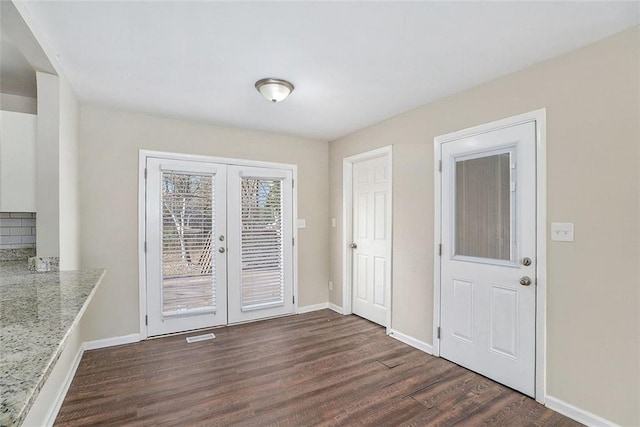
(47, 166)
(593, 141)
(69, 203)
(57, 186)
(109, 201)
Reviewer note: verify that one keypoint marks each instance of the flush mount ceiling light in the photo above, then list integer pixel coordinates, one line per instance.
(275, 90)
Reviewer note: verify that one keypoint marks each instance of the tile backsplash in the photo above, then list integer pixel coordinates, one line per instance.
(17, 230)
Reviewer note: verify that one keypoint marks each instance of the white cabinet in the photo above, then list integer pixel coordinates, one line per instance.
(18, 133)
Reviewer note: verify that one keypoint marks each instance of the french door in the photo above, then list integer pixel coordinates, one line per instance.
(488, 265)
(260, 243)
(186, 259)
(218, 244)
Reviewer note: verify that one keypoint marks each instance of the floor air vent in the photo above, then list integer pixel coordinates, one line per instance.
(198, 338)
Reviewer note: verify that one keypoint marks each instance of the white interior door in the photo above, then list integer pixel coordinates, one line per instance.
(260, 243)
(185, 223)
(371, 235)
(488, 284)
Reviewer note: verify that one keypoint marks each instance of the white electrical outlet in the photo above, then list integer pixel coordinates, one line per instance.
(330, 285)
(562, 231)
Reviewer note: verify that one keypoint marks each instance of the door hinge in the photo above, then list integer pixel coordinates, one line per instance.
(146, 320)
(145, 247)
(440, 249)
(145, 173)
(438, 332)
(439, 165)
(293, 183)
(294, 299)
(293, 241)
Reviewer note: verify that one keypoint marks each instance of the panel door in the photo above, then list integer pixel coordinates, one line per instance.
(488, 289)
(186, 226)
(371, 234)
(260, 245)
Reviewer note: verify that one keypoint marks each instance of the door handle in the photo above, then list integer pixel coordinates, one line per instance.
(353, 246)
(525, 281)
(222, 250)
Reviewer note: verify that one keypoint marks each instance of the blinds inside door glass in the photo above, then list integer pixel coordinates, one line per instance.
(483, 207)
(188, 269)
(262, 243)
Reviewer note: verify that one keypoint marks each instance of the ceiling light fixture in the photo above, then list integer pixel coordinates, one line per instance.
(275, 90)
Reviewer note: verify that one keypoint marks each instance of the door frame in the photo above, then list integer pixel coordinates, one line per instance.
(347, 226)
(143, 155)
(539, 117)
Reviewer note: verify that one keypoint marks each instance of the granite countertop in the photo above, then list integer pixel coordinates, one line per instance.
(37, 312)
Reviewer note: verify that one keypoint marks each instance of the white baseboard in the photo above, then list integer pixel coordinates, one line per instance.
(88, 345)
(321, 306)
(413, 342)
(314, 307)
(62, 393)
(335, 308)
(578, 414)
(111, 342)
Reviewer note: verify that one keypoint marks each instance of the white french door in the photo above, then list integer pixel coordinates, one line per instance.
(186, 271)
(371, 234)
(260, 243)
(219, 244)
(488, 265)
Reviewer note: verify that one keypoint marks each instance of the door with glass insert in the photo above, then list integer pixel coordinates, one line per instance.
(488, 291)
(260, 243)
(186, 248)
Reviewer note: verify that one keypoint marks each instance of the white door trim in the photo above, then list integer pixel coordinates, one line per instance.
(539, 117)
(347, 211)
(142, 261)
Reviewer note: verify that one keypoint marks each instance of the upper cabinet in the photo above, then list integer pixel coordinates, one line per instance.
(18, 133)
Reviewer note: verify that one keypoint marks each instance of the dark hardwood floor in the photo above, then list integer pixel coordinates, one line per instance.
(318, 368)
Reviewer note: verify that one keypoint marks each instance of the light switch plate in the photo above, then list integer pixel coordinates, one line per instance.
(333, 223)
(302, 223)
(562, 231)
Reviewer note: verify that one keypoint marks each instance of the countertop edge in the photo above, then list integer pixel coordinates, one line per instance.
(56, 355)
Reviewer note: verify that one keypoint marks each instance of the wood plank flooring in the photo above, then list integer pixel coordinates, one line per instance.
(318, 368)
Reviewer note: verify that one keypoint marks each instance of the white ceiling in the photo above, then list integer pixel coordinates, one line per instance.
(353, 63)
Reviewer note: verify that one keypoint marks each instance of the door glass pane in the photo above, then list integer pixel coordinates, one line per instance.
(483, 207)
(262, 243)
(188, 269)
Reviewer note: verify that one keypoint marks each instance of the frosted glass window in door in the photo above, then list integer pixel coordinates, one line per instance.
(483, 207)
